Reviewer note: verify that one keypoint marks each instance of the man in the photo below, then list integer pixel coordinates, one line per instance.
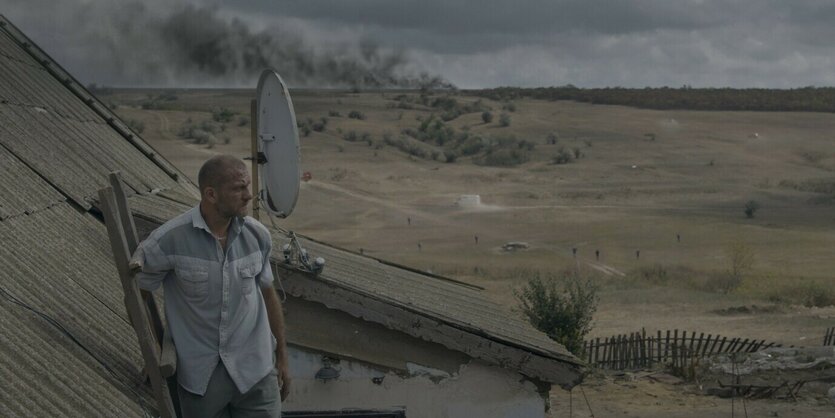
(220, 304)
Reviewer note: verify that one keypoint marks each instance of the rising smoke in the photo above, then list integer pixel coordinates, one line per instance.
(140, 44)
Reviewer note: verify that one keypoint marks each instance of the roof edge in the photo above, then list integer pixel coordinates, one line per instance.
(565, 371)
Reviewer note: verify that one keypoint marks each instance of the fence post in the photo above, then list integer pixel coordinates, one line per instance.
(660, 361)
(707, 343)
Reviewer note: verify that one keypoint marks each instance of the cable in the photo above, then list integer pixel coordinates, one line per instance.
(68, 334)
(571, 403)
(283, 293)
(587, 400)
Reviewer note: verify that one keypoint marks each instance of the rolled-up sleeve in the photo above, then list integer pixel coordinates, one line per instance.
(155, 265)
(266, 278)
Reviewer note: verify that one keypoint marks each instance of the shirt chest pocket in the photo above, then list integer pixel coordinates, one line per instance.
(193, 279)
(248, 271)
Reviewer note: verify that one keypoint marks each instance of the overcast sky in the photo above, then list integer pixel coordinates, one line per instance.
(470, 43)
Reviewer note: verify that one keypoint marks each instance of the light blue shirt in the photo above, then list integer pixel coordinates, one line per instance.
(213, 302)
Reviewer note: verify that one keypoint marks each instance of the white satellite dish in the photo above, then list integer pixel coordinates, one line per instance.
(278, 146)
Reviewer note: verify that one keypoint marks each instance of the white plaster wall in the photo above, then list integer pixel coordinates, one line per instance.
(476, 390)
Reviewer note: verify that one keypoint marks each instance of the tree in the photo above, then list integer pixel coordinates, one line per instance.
(751, 208)
(487, 117)
(564, 312)
(740, 262)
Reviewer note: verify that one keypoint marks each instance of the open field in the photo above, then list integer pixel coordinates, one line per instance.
(645, 178)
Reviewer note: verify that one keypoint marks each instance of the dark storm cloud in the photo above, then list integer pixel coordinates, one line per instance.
(180, 44)
(509, 17)
(472, 43)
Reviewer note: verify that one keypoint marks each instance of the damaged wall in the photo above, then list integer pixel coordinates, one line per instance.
(384, 369)
(475, 390)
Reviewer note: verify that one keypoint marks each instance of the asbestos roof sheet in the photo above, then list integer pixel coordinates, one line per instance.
(75, 157)
(453, 303)
(21, 189)
(58, 273)
(61, 132)
(25, 81)
(448, 301)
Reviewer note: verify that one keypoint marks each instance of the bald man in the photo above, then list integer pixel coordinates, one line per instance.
(223, 312)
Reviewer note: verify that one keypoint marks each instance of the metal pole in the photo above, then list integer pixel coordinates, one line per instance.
(256, 200)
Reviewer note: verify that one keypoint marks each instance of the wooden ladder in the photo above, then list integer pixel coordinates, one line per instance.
(155, 343)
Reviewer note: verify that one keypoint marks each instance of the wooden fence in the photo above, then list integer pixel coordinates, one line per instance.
(638, 350)
(829, 337)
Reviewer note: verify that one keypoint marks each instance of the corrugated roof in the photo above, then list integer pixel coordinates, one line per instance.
(22, 190)
(461, 306)
(26, 82)
(57, 261)
(63, 133)
(74, 156)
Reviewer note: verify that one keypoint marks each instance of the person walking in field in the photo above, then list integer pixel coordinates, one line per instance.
(222, 310)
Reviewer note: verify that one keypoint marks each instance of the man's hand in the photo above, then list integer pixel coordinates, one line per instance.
(283, 381)
(276, 318)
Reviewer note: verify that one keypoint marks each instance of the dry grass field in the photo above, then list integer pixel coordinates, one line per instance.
(670, 184)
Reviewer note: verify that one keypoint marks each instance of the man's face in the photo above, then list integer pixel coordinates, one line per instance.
(233, 196)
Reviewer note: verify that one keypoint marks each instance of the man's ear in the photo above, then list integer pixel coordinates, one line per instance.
(210, 194)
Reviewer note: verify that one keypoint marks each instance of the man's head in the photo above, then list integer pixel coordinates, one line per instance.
(224, 185)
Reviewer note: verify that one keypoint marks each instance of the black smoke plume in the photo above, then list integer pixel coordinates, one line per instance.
(158, 44)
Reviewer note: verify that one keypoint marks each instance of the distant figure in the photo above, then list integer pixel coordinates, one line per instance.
(419, 247)
(574, 251)
(362, 251)
(678, 237)
(476, 239)
(409, 220)
(597, 255)
(637, 254)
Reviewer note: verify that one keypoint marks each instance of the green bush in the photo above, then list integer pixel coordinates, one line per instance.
(810, 294)
(751, 207)
(487, 117)
(504, 120)
(223, 115)
(356, 114)
(563, 311)
(562, 157)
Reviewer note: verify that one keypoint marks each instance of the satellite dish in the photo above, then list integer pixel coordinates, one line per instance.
(278, 146)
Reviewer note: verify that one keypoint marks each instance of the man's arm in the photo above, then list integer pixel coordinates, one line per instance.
(276, 318)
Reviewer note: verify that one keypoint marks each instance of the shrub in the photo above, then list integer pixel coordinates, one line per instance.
(356, 114)
(334, 114)
(551, 139)
(450, 156)
(564, 312)
(320, 125)
(741, 261)
(504, 120)
(222, 115)
(562, 157)
(577, 153)
(751, 207)
(243, 121)
(136, 125)
(487, 117)
(808, 294)
(503, 157)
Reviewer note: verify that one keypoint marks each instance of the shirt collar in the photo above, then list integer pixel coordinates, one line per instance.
(197, 221)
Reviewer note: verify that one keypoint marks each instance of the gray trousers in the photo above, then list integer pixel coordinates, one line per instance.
(222, 399)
